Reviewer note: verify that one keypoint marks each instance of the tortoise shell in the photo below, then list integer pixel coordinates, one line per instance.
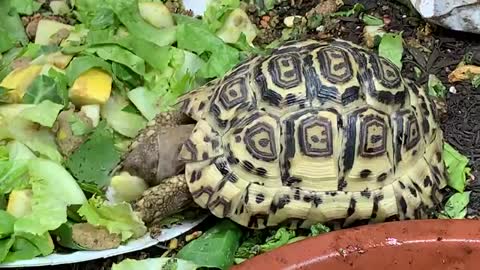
(314, 132)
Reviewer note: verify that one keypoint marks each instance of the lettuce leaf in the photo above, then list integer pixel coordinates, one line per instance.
(26, 7)
(12, 31)
(457, 169)
(53, 190)
(14, 170)
(44, 87)
(126, 123)
(44, 113)
(95, 158)
(196, 38)
(118, 218)
(118, 54)
(155, 264)
(216, 12)
(39, 139)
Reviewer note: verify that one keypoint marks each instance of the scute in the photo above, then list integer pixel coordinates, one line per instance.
(315, 132)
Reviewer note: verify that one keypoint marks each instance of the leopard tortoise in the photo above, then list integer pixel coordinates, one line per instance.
(315, 132)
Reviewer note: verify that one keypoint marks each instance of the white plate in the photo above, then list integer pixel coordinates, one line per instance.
(82, 256)
(198, 7)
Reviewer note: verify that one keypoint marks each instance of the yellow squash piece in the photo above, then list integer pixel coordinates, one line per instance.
(20, 203)
(19, 80)
(92, 87)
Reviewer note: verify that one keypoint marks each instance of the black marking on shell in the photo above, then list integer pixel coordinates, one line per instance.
(191, 148)
(312, 143)
(259, 198)
(231, 177)
(246, 194)
(351, 137)
(312, 80)
(292, 181)
(335, 65)
(196, 175)
(283, 201)
(385, 71)
(373, 144)
(412, 132)
(221, 201)
(297, 194)
(248, 166)
(261, 171)
(342, 183)
(265, 153)
(366, 193)
(417, 187)
(317, 200)
(376, 200)
(413, 191)
(285, 70)
(203, 190)
(403, 205)
(351, 207)
(350, 95)
(382, 177)
(402, 185)
(222, 166)
(257, 221)
(365, 173)
(201, 105)
(427, 182)
(215, 143)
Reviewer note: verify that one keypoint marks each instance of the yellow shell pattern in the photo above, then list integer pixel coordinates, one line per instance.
(316, 132)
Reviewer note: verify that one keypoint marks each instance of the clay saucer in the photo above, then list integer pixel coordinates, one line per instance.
(417, 244)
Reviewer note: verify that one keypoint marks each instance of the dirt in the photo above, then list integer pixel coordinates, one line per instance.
(432, 50)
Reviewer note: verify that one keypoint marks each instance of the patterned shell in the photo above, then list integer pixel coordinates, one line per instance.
(315, 132)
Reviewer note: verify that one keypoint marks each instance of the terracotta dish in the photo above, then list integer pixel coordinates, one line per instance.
(416, 244)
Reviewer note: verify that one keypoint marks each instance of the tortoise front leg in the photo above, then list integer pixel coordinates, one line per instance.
(158, 202)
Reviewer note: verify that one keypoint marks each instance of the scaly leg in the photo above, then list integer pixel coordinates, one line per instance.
(167, 198)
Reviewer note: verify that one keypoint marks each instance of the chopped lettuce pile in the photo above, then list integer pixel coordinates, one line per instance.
(73, 97)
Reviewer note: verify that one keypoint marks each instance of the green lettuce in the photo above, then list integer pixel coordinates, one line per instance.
(94, 159)
(215, 248)
(216, 12)
(14, 169)
(155, 264)
(12, 31)
(457, 169)
(126, 123)
(45, 113)
(50, 87)
(39, 139)
(196, 38)
(26, 7)
(391, 47)
(122, 56)
(118, 218)
(53, 190)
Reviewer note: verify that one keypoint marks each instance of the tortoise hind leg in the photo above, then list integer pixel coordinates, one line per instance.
(160, 201)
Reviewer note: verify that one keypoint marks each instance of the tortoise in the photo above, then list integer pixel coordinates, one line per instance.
(317, 131)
